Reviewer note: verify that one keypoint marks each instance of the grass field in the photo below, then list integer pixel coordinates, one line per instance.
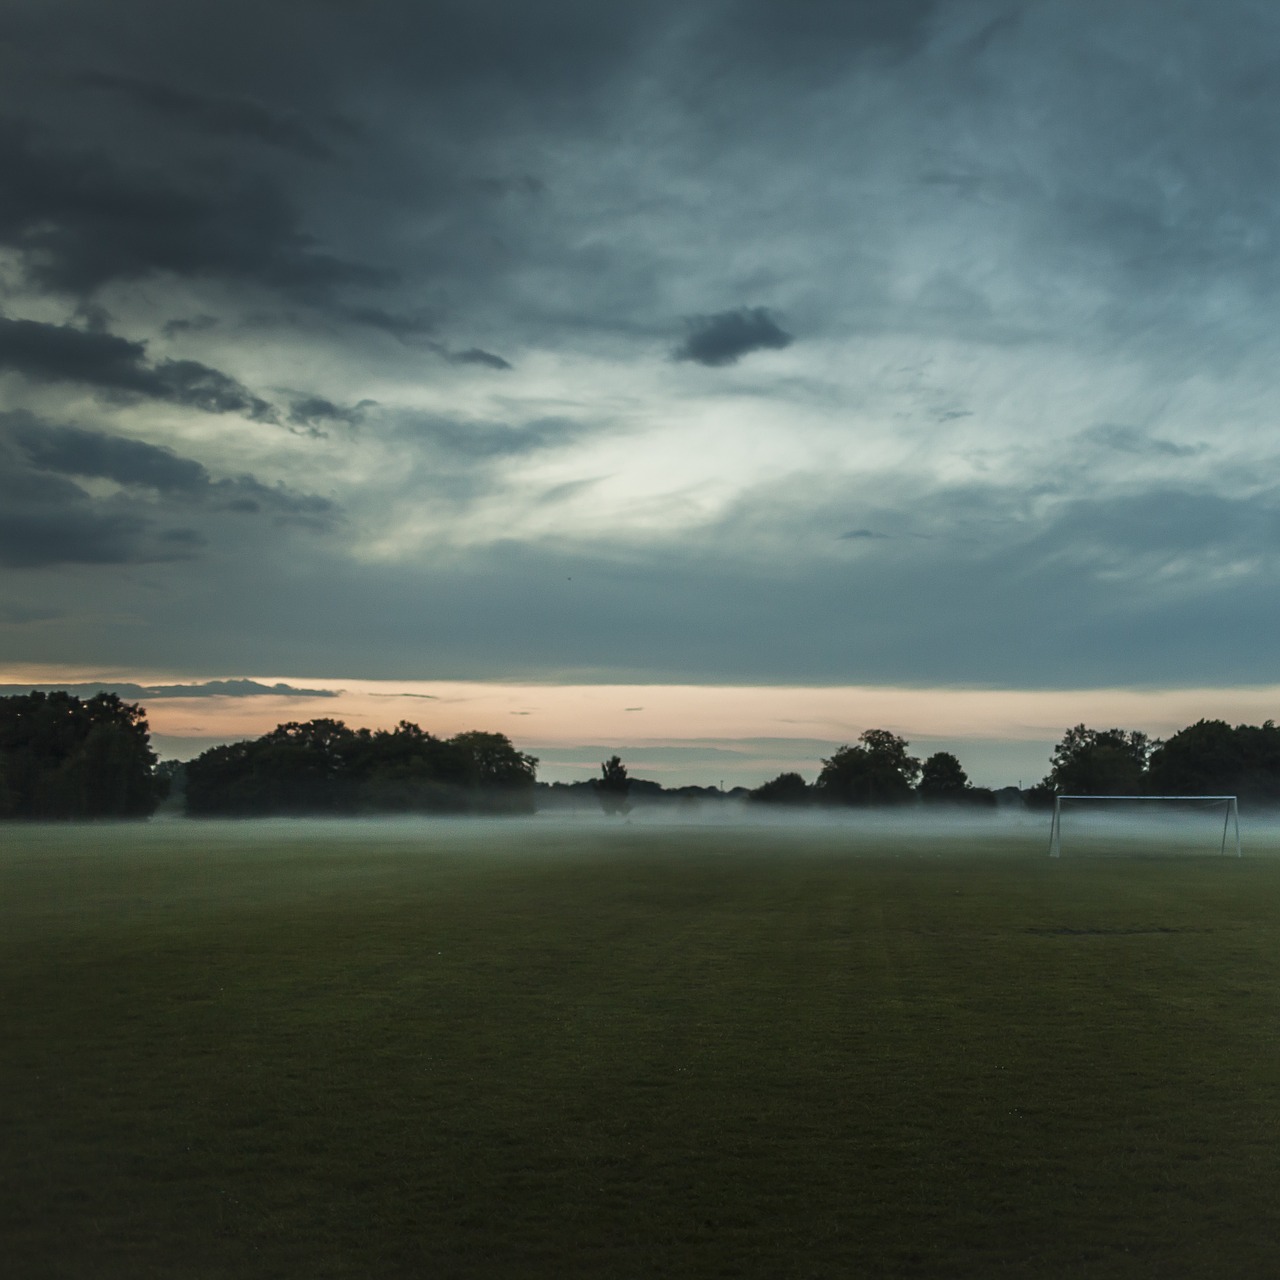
(529, 1049)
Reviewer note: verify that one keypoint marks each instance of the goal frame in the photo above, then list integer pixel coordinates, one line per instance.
(1231, 816)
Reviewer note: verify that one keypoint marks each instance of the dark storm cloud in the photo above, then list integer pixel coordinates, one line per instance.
(73, 451)
(80, 220)
(46, 519)
(42, 536)
(727, 336)
(60, 353)
(224, 116)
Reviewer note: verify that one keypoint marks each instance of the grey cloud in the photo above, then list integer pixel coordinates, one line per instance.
(477, 356)
(76, 451)
(230, 117)
(190, 538)
(314, 411)
(1133, 535)
(60, 353)
(23, 616)
(489, 440)
(855, 535)
(21, 486)
(49, 520)
(822, 35)
(44, 535)
(524, 184)
(1131, 440)
(191, 324)
(569, 489)
(402, 325)
(73, 451)
(247, 494)
(202, 689)
(727, 336)
(1085, 594)
(81, 220)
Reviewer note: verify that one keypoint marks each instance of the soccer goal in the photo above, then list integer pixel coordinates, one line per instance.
(1135, 824)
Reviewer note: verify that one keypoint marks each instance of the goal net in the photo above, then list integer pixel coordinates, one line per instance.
(1136, 825)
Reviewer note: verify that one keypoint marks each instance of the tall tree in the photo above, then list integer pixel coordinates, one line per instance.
(877, 771)
(942, 779)
(61, 757)
(612, 786)
(1100, 762)
(1212, 758)
(786, 788)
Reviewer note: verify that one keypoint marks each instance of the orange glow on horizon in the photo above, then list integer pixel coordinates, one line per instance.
(629, 713)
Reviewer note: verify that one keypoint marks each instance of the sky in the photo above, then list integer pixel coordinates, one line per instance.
(914, 360)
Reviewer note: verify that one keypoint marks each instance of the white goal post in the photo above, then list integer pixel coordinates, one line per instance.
(1230, 817)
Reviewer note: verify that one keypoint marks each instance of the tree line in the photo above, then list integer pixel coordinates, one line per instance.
(1209, 757)
(325, 767)
(64, 757)
(61, 757)
(878, 771)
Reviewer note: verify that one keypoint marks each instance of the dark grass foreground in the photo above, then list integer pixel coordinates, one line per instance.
(512, 1051)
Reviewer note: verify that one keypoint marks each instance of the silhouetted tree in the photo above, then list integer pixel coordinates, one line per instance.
(61, 757)
(322, 766)
(786, 788)
(1204, 758)
(1100, 762)
(171, 778)
(878, 771)
(1259, 779)
(497, 775)
(942, 779)
(613, 785)
(1212, 758)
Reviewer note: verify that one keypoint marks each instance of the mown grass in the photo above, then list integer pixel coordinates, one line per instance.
(516, 1050)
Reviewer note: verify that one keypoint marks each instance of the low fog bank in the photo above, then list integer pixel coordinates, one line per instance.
(865, 829)
(915, 820)
(727, 826)
(659, 826)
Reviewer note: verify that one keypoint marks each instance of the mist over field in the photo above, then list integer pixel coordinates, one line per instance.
(735, 826)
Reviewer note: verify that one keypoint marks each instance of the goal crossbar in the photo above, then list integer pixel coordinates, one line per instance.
(1231, 816)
